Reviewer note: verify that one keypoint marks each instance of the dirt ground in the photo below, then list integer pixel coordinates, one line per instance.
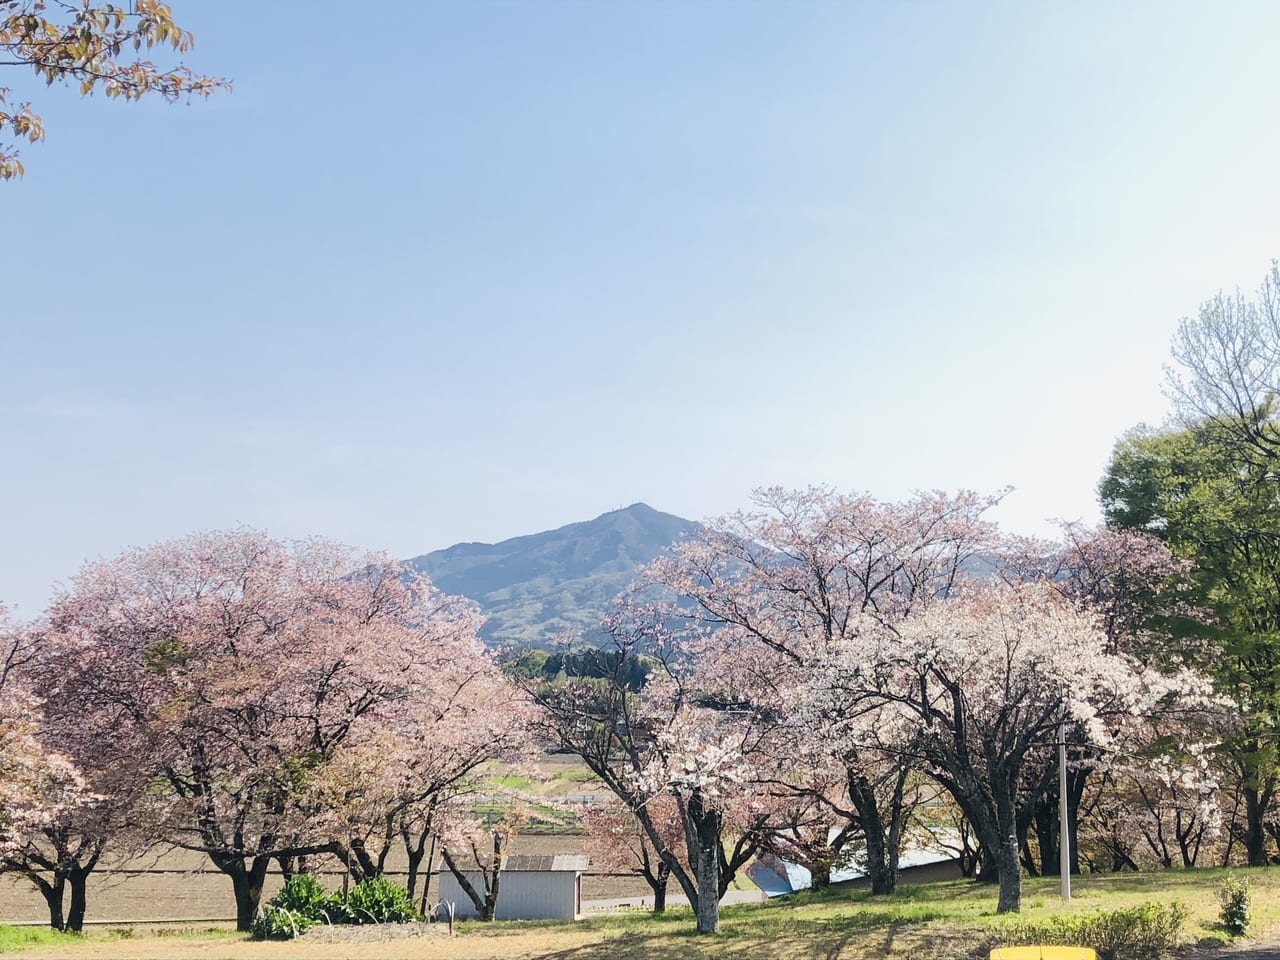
(579, 942)
(523, 946)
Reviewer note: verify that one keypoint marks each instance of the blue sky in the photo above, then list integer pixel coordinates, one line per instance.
(460, 271)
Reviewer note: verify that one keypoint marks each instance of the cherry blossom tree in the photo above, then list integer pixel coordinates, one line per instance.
(1179, 810)
(615, 840)
(1109, 838)
(21, 754)
(57, 842)
(781, 589)
(1161, 810)
(53, 826)
(1137, 589)
(383, 789)
(986, 677)
(662, 742)
(1131, 581)
(240, 666)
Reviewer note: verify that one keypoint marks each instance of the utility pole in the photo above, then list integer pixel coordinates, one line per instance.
(1064, 832)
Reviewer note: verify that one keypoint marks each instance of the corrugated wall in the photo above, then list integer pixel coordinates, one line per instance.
(525, 895)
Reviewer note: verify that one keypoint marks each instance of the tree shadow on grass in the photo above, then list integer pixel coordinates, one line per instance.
(866, 935)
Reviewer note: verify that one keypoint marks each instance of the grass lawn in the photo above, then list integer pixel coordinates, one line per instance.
(16, 938)
(943, 920)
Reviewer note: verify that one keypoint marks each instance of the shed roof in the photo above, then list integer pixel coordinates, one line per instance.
(525, 862)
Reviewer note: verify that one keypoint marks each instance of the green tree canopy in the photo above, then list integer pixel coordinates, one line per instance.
(1220, 511)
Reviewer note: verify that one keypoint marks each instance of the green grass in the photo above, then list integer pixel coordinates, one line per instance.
(556, 776)
(16, 938)
(13, 938)
(953, 920)
(513, 782)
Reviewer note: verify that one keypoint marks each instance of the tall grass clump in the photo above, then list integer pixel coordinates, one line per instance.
(1128, 933)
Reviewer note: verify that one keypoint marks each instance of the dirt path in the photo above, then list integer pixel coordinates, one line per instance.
(1269, 950)
(521, 946)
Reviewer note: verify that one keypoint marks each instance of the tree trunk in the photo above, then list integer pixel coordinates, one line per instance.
(426, 877)
(1190, 835)
(970, 848)
(881, 847)
(1046, 826)
(660, 889)
(246, 883)
(820, 873)
(79, 882)
(1027, 858)
(491, 901)
(706, 864)
(1008, 864)
(415, 861)
(52, 891)
(490, 875)
(1120, 856)
(1076, 780)
(365, 863)
(707, 871)
(988, 869)
(1255, 837)
(657, 881)
(883, 880)
(1009, 869)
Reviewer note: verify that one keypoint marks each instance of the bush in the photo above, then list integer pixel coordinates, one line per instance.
(303, 902)
(279, 923)
(1130, 933)
(303, 894)
(378, 900)
(1234, 894)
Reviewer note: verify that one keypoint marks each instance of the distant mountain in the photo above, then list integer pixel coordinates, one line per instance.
(534, 588)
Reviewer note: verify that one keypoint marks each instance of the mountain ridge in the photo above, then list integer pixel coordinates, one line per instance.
(534, 588)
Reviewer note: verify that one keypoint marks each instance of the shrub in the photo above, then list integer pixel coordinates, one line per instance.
(1130, 933)
(1234, 894)
(304, 894)
(299, 905)
(279, 923)
(303, 902)
(378, 900)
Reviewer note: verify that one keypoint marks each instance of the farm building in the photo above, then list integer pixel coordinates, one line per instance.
(918, 863)
(531, 888)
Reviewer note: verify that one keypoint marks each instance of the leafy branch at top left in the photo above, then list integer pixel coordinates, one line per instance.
(95, 46)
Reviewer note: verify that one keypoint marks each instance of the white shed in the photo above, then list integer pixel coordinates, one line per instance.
(531, 888)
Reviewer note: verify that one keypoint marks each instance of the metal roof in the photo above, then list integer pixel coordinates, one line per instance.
(526, 862)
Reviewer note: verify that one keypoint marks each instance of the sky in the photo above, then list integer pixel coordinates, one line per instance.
(443, 271)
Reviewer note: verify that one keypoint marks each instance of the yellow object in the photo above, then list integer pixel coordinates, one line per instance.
(1044, 953)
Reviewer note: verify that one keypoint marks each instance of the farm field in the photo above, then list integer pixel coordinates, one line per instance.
(955, 919)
